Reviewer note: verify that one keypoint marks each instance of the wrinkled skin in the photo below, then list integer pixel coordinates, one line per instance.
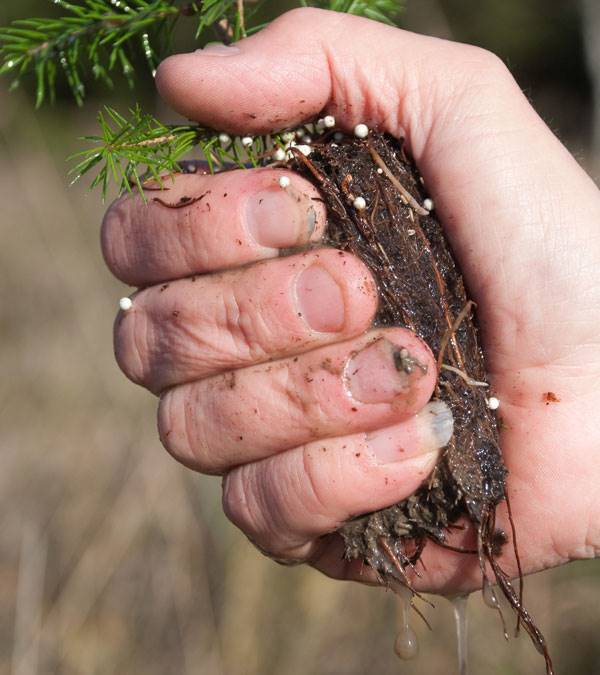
(298, 456)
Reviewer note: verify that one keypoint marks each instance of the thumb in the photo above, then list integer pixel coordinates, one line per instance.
(442, 97)
(311, 60)
(266, 82)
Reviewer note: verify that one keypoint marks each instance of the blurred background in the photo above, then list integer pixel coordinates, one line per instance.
(114, 559)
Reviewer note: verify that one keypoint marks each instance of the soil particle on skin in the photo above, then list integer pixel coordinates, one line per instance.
(327, 365)
(404, 362)
(230, 379)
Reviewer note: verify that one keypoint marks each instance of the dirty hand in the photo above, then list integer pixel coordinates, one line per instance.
(267, 367)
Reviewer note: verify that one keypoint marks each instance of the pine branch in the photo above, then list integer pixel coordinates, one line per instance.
(97, 37)
(130, 151)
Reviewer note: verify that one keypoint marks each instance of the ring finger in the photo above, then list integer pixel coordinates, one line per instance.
(378, 379)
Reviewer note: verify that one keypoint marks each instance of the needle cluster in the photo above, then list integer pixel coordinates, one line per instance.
(98, 39)
(131, 150)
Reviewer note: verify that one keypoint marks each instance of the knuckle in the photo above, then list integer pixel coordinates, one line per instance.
(332, 22)
(241, 321)
(303, 14)
(486, 66)
(319, 494)
(303, 406)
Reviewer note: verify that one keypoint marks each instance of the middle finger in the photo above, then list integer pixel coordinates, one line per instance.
(193, 328)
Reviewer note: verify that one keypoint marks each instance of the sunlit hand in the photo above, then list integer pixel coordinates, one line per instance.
(266, 370)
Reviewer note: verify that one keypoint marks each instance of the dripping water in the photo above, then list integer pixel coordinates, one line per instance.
(406, 645)
(459, 605)
(489, 595)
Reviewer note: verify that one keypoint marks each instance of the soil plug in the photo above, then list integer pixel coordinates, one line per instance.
(379, 211)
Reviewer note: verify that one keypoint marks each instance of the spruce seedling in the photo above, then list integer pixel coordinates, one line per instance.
(96, 40)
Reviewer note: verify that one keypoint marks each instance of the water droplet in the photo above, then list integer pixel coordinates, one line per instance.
(489, 595)
(406, 645)
(459, 604)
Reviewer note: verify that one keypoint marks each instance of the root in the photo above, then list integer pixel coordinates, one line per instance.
(518, 559)
(484, 533)
(456, 549)
(486, 553)
(398, 565)
(451, 332)
(410, 200)
(420, 288)
(470, 381)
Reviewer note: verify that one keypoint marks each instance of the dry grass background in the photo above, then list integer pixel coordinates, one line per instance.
(113, 559)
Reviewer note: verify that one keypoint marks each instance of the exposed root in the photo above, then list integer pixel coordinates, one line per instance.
(518, 559)
(456, 549)
(484, 532)
(451, 332)
(410, 200)
(469, 380)
(485, 538)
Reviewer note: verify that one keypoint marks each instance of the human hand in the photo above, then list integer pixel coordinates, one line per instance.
(297, 441)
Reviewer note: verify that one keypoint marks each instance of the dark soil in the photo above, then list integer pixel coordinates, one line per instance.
(421, 288)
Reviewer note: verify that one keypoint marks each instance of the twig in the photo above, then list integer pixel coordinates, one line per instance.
(240, 9)
(148, 143)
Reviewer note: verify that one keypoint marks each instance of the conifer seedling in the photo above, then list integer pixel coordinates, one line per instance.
(95, 40)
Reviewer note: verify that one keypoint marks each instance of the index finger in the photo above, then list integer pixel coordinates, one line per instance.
(205, 223)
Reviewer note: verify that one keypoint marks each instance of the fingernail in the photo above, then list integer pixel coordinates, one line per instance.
(436, 420)
(277, 219)
(426, 432)
(320, 300)
(219, 49)
(380, 372)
